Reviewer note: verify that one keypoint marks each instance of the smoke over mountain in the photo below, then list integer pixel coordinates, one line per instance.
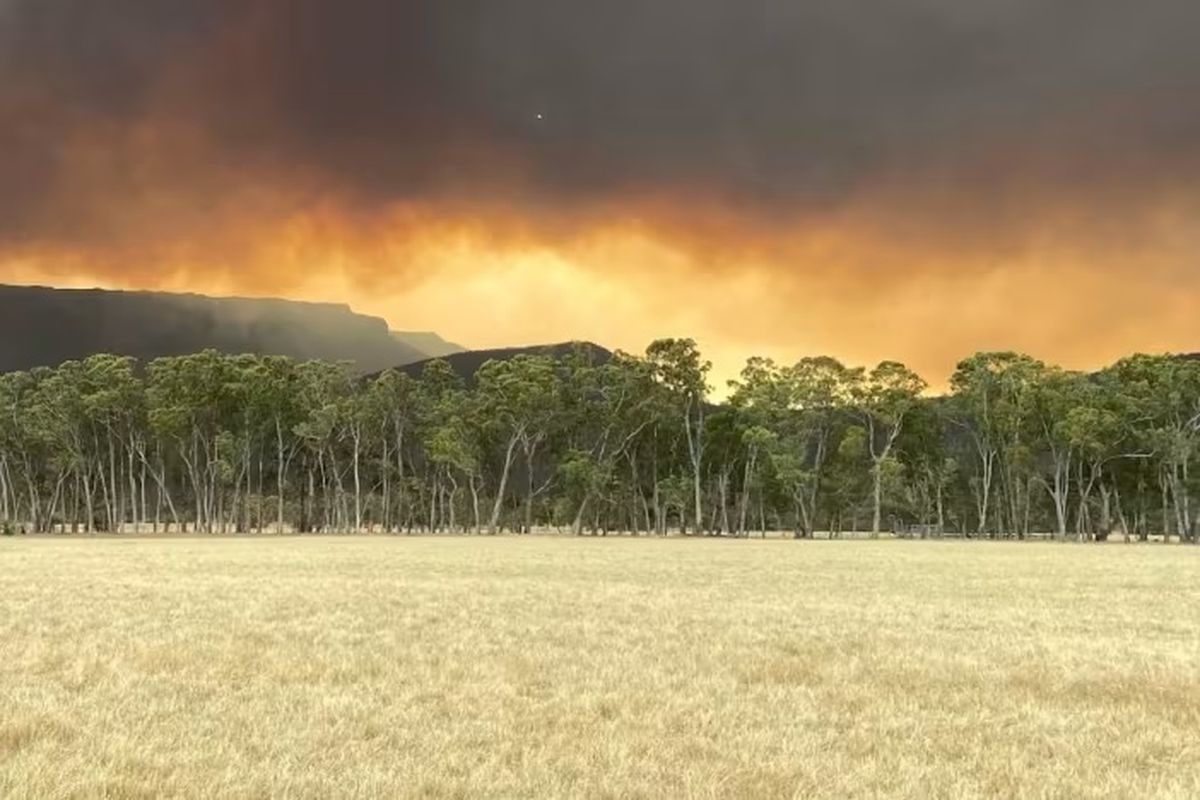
(43, 327)
(908, 179)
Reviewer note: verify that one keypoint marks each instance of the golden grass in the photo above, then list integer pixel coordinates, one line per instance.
(556, 667)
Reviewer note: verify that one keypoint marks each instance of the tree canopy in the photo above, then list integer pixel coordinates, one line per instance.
(636, 444)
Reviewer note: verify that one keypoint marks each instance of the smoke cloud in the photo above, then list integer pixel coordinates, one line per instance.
(912, 179)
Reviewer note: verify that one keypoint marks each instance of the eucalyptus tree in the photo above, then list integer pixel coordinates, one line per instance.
(758, 440)
(680, 369)
(656, 455)
(444, 427)
(605, 408)
(725, 451)
(360, 424)
(1100, 435)
(1164, 397)
(519, 397)
(1118, 441)
(83, 409)
(757, 404)
(769, 424)
(818, 398)
(391, 399)
(190, 405)
(929, 467)
(430, 399)
(454, 449)
(275, 387)
(882, 398)
(324, 389)
(56, 445)
(241, 442)
(10, 443)
(1057, 393)
(991, 401)
(849, 478)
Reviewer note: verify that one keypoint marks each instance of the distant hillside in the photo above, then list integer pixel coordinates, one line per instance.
(41, 326)
(468, 362)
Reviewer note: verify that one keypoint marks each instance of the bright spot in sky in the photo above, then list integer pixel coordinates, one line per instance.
(540, 116)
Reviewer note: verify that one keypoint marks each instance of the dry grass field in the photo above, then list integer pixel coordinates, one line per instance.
(563, 667)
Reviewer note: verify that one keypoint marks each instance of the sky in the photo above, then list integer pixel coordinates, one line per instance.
(912, 179)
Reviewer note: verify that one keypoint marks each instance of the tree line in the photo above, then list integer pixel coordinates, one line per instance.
(590, 442)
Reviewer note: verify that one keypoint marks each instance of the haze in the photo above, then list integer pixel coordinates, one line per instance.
(911, 180)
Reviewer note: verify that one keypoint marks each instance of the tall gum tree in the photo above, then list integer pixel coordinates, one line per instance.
(678, 367)
(1163, 394)
(520, 397)
(818, 395)
(882, 398)
(606, 407)
(1057, 392)
(991, 398)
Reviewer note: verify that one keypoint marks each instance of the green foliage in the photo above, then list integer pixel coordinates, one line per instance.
(212, 443)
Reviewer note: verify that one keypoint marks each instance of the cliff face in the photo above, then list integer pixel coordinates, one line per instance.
(44, 327)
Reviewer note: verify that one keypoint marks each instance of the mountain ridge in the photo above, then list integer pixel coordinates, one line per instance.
(45, 326)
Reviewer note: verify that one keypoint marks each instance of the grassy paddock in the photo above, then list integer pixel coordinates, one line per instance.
(541, 666)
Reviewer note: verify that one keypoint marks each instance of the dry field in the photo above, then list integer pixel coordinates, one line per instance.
(563, 667)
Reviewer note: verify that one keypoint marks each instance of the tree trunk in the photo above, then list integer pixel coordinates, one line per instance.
(877, 497)
(358, 516)
(751, 457)
(474, 501)
(500, 489)
(577, 523)
(696, 452)
(386, 500)
(279, 476)
(529, 456)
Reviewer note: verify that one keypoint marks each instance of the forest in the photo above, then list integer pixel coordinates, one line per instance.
(597, 443)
